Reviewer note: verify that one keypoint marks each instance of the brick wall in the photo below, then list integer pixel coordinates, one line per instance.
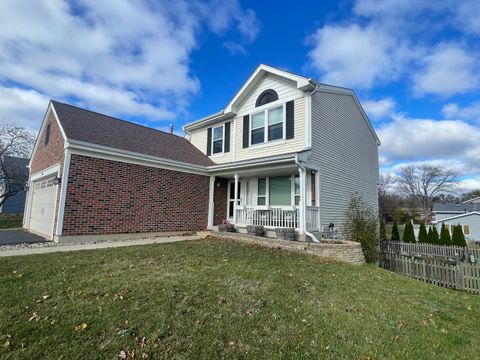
(53, 152)
(220, 200)
(47, 155)
(110, 197)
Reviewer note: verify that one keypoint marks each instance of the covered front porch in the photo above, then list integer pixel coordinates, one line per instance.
(271, 196)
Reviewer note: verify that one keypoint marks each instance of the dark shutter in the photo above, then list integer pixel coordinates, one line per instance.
(290, 125)
(246, 130)
(209, 141)
(227, 137)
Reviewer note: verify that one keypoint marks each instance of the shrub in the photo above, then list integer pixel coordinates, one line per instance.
(395, 233)
(382, 231)
(361, 225)
(445, 236)
(409, 234)
(458, 238)
(422, 233)
(430, 239)
(435, 236)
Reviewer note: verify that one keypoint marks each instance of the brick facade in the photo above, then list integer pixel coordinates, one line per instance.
(111, 197)
(51, 153)
(47, 155)
(220, 200)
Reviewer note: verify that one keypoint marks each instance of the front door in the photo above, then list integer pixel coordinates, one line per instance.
(231, 197)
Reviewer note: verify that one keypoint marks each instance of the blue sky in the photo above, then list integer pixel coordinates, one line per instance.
(412, 63)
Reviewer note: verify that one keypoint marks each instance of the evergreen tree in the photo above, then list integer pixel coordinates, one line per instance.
(382, 231)
(430, 236)
(435, 236)
(422, 233)
(395, 233)
(458, 239)
(409, 234)
(445, 236)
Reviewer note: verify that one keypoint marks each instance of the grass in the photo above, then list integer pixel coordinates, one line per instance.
(219, 299)
(11, 221)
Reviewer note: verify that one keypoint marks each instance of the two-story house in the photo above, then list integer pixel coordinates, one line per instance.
(286, 151)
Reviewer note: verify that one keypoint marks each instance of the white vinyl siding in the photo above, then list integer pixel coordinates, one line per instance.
(471, 220)
(346, 152)
(199, 139)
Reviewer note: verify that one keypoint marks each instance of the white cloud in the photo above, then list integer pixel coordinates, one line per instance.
(468, 16)
(469, 113)
(449, 69)
(449, 143)
(130, 59)
(379, 109)
(355, 56)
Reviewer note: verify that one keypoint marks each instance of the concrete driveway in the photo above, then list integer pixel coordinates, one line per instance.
(15, 237)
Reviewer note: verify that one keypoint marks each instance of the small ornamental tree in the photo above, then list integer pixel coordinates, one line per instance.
(409, 234)
(445, 236)
(395, 233)
(422, 233)
(361, 225)
(435, 236)
(458, 238)
(430, 236)
(382, 231)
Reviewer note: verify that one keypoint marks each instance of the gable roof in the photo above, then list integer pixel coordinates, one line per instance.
(455, 207)
(473, 213)
(301, 82)
(475, 199)
(98, 129)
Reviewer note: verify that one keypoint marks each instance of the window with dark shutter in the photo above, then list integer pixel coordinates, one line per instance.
(209, 141)
(227, 137)
(289, 118)
(246, 130)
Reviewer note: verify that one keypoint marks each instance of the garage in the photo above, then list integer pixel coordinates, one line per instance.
(42, 210)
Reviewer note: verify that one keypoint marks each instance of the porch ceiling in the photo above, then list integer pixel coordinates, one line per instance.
(264, 170)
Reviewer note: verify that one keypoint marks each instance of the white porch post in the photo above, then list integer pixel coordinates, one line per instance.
(211, 204)
(301, 214)
(235, 200)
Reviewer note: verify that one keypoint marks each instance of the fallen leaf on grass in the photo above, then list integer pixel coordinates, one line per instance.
(6, 344)
(81, 327)
(34, 317)
(126, 354)
(144, 356)
(231, 344)
(248, 313)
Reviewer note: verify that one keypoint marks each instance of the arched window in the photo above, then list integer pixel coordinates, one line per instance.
(266, 97)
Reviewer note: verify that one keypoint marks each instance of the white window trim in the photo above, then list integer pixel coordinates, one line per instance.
(265, 112)
(223, 140)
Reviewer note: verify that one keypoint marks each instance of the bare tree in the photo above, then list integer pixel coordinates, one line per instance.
(386, 181)
(424, 182)
(15, 142)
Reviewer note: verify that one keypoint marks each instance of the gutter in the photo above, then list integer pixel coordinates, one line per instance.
(309, 234)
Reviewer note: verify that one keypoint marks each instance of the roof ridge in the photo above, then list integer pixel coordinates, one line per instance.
(117, 119)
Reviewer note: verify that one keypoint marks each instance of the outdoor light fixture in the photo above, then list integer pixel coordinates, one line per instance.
(56, 180)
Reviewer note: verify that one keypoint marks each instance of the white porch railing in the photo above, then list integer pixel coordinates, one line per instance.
(269, 217)
(312, 218)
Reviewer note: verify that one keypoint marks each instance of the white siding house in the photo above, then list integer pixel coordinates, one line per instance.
(470, 224)
(291, 150)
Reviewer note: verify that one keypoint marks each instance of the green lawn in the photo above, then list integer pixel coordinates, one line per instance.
(218, 299)
(11, 221)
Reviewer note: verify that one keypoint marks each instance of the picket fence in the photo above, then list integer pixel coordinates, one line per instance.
(434, 270)
(399, 247)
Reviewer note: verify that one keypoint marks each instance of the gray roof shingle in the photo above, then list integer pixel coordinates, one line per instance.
(455, 208)
(95, 128)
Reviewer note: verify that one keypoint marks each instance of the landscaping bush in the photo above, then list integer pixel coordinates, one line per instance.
(445, 236)
(395, 233)
(409, 234)
(422, 233)
(435, 236)
(430, 239)
(361, 225)
(382, 231)
(458, 238)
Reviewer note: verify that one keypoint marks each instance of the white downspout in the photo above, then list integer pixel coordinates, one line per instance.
(303, 228)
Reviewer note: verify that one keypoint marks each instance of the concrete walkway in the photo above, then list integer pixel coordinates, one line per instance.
(92, 246)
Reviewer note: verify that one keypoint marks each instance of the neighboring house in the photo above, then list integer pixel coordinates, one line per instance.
(286, 151)
(469, 221)
(442, 211)
(16, 173)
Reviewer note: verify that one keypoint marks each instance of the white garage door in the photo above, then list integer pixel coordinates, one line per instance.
(43, 207)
